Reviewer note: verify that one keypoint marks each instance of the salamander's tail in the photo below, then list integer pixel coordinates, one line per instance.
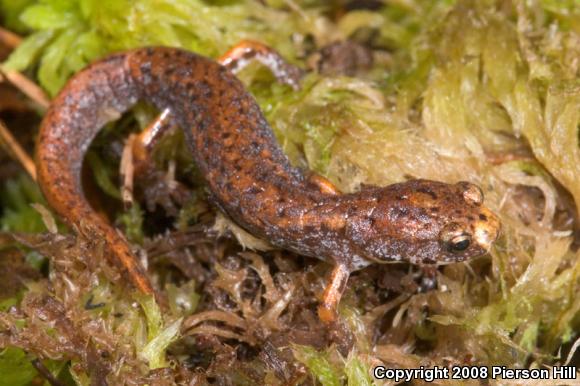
(93, 97)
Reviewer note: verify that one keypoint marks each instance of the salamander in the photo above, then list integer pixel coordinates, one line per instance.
(249, 177)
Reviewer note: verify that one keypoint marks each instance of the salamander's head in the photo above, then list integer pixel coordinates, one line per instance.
(426, 222)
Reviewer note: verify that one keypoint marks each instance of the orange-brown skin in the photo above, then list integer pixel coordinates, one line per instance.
(236, 59)
(248, 175)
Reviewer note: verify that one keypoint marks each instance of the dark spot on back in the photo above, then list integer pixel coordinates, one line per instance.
(428, 191)
(399, 212)
(253, 190)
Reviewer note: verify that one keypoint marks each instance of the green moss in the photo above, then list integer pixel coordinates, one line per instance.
(10, 10)
(18, 215)
(329, 369)
(319, 364)
(132, 222)
(83, 31)
(357, 373)
(103, 175)
(153, 316)
(154, 351)
(15, 368)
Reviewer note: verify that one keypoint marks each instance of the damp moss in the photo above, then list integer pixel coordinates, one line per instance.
(17, 213)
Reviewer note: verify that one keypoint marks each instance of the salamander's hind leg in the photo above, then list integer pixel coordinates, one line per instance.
(327, 309)
(151, 135)
(323, 184)
(142, 146)
(235, 59)
(158, 188)
(247, 51)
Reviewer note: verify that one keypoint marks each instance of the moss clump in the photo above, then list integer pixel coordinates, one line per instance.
(18, 215)
(484, 91)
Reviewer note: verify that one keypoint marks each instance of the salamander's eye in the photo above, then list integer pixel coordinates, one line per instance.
(455, 238)
(459, 243)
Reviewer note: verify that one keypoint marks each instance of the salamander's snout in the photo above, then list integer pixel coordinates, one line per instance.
(471, 228)
(487, 226)
(486, 229)
(426, 222)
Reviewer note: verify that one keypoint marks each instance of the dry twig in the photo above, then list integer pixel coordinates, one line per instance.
(10, 39)
(28, 87)
(16, 151)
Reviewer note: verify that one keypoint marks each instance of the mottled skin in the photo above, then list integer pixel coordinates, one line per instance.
(248, 175)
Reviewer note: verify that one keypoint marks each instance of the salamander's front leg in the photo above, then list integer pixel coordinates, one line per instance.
(327, 309)
(247, 51)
